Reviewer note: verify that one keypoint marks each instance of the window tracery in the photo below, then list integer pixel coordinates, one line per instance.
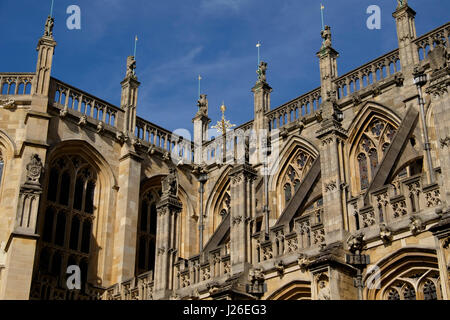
(147, 228)
(66, 228)
(419, 284)
(371, 148)
(294, 174)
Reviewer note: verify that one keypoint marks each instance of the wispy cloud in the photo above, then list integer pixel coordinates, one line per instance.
(214, 5)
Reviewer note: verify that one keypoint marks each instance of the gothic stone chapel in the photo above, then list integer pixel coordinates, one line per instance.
(346, 197)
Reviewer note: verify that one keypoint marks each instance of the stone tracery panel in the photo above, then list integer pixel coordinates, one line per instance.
(293, 174)
(370, 149)
(147, 227)
(66, 229)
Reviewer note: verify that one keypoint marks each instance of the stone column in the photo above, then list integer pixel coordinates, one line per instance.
(127, 211)
(168, 210)
(332, 136)
(20, 248)
(242, 179)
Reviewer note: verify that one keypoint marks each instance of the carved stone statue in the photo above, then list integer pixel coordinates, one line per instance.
(170, 183)
(131, 66)
(385, 233)
(326, 36)
(34, 170)
(7, 103)
(262, 71)
(202, 105)
(401, 3)
(49, 24)
(439, 57)
(356, 243)
(324, 290)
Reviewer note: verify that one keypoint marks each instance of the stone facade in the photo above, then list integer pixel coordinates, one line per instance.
(329, 196)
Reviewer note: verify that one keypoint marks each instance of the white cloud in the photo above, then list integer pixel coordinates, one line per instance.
(213, 5)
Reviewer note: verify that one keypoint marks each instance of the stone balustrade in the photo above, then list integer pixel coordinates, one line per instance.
(16, 83)
(302, 106)
(139, 288)
(201, 269)
(83, 105)
(428, 40)
(403, 198)
(164, 141)
(382, 68)
(307, 233)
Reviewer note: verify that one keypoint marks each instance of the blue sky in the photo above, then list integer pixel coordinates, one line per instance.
(179, 39)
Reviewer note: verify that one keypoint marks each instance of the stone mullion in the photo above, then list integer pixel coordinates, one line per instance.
(67, 98)
(80, 233)
(55, 220)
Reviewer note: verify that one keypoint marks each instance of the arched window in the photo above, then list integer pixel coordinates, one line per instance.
(429, 290)
(293, 174)
(146, 239)
(418, 284)
(222, 206)
(370, 149)
(66, 227)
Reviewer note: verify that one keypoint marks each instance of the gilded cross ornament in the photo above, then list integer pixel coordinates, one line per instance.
(223, 125)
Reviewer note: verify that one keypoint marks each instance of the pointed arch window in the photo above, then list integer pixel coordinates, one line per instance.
(417, 284)
(294, 174)
(65, 226)
(147, 231)
(429, 290)
(223, 205)
(370, 149)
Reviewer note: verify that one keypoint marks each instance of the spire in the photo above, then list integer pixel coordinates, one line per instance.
(322, 8)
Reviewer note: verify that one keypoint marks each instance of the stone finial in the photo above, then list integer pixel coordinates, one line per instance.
(131, 66)
(262, 68)
(326, 36)
(49, 24)
(170, 183)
